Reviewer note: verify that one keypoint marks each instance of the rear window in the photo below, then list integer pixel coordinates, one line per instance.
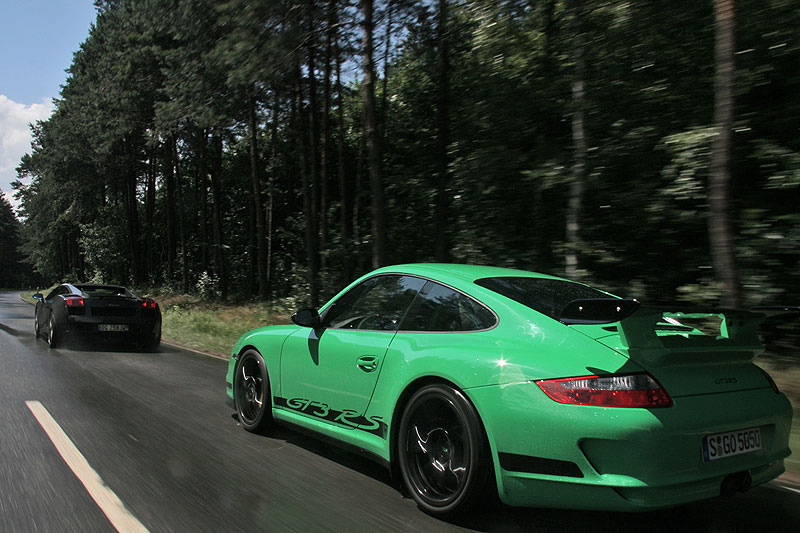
(103, 290)
(548, 296)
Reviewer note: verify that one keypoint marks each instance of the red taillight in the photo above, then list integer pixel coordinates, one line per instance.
(149, 304)
(75, 301)
(621, 390)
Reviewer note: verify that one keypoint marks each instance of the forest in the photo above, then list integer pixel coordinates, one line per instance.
(247, 149)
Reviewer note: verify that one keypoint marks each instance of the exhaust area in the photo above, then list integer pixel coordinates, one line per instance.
(738, 482)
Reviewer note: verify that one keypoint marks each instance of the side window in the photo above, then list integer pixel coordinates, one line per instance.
(378, 303)
(55, 292)
(439, 308)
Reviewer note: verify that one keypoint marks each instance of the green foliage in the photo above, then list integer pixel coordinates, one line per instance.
(144, 172)
(103, 245)
(214, 327)
(11, 272)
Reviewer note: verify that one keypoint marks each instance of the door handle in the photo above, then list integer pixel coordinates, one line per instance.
(367, 363)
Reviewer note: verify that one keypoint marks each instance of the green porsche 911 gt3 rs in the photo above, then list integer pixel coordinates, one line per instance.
(464, 379)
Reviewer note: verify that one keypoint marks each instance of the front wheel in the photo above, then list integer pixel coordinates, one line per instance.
(251, 392)
(442, 450)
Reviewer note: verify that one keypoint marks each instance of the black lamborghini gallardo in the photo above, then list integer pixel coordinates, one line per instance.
(108, 311)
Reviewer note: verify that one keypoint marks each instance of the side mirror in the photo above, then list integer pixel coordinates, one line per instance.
(307, 317)
(38, 296)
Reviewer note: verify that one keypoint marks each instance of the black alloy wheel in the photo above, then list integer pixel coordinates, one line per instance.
(251, 392)
(442, 450)
(53, 335)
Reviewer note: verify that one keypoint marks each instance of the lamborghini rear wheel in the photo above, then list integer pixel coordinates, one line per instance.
(53, 335)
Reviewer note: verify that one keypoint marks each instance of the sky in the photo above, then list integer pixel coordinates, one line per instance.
(37, 40)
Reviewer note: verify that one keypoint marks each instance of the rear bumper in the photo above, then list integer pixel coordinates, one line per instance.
(624, 459)
(89, 325)
(536, 491)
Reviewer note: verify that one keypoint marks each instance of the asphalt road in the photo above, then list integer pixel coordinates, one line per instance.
(163, 453)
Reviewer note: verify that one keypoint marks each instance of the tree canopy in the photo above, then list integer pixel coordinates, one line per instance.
(271, 149)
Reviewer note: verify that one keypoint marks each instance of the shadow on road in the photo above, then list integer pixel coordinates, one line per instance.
(764, 508)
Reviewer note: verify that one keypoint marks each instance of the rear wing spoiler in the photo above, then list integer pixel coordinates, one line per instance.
(608, 310)
(639, 325)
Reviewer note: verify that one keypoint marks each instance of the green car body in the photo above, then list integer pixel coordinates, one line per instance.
(354, 382)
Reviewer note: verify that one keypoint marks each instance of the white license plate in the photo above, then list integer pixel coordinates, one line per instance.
(732, 443)
(112, 327)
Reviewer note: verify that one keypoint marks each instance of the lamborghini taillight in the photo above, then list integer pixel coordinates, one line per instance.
(616, 390)
(76, 305)
(75, 301)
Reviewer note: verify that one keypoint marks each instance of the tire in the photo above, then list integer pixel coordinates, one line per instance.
(152, 344)
(251, 393)
(53, 335)
(442, 451)
(36, 332)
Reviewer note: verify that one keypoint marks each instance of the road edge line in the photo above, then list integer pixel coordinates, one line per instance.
(103, 496)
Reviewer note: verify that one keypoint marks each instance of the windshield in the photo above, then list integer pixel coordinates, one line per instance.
(548, 296)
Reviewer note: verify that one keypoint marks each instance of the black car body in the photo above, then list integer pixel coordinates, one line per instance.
(110, 311)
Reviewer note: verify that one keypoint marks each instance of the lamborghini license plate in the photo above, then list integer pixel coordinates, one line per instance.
(112, 327)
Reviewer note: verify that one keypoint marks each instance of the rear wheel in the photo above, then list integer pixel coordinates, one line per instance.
(442, 450)
(53, 335)
(251, 392)
(154, 341)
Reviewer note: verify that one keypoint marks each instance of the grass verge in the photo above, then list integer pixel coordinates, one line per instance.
(211, 327)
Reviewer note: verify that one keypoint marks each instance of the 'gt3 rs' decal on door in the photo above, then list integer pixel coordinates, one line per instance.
(323, 411)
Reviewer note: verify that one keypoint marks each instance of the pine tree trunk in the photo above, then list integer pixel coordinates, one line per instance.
(169, 178)
(149, 215)
(575, 201)
(311, 236)
(216, 206)
(344, 200)
(372, 134)
(132, 208)
(442, 243)
(720, 228)
(325, 135)
(181, 224)
(271, 186)
(313, 155)
(260, 215)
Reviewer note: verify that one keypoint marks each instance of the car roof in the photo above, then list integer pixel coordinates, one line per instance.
(469, 273)
(81, 288)
(91, 286)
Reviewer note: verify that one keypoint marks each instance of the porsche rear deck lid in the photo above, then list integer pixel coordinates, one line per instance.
(597, 311)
